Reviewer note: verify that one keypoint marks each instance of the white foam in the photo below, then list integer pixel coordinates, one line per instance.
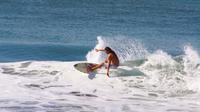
(50, 83)
(191, 63)
(49, 89)
(173, 77)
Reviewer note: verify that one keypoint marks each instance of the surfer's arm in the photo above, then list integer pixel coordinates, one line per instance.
(97, 50)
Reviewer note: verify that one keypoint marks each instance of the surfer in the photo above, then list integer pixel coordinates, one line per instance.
(111, 62)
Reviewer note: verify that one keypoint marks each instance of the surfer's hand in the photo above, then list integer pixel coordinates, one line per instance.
(96, 50)
(108, 74)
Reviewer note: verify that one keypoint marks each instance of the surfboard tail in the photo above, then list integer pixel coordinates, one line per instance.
(88, 68)
(85, 67)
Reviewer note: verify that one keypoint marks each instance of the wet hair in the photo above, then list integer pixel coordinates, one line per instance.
(109, 50)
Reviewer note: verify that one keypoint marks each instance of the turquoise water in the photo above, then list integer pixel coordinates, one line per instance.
(67, 30)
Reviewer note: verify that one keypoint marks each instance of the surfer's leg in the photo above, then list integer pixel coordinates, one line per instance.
(98, 66)
(106, 61)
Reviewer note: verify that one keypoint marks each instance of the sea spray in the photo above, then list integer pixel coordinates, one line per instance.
(191, 63)
(96, 57)
(125, 48)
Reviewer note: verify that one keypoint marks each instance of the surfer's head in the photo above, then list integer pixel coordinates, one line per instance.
(108, 50)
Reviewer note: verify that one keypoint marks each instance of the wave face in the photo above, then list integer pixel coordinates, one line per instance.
(145, 84)
(174, 75)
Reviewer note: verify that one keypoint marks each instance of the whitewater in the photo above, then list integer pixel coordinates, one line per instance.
(144, 82)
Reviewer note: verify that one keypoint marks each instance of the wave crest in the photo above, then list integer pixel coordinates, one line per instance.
(174, 75)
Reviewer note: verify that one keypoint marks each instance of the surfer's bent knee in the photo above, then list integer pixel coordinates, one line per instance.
(106, 61)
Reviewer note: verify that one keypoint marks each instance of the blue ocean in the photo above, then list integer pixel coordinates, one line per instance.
(157, 42)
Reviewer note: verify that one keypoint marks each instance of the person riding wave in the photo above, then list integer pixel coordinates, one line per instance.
(111, 62)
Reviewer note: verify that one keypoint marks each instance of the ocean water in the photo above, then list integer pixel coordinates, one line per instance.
(157, 42)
